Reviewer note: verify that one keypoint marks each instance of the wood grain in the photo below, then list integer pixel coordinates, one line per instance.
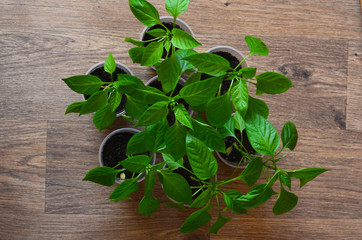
(44, 154)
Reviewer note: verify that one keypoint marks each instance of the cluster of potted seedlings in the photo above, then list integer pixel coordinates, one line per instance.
(186, 121)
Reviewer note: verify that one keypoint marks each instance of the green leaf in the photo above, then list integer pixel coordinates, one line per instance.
(153, 95)
(202, 161)
(200, 92)
(252, 171)
(209, 63)
(175, 138)
(104, 117)
(153, 114)
(306, 174)
(272, 83)
(262, 135)
(182, 53)
(202, 199)
(176, 7)
(247, 72)
(102, 175)
(219, 110)
(285, 179)
(145, 12)
(174, 205)
(240, 96)
(183, 116)
(169, 73)
(152, 54)
(256, 46)
(124, 189)
(208, 135)
(134, 42)
(136, 54)
(220, 222)
(230, 198)
(137, 163)
(150, 182)
(84, 84)
(158, 132)
(75, 107)
(171, 163)
(115, 99)
(176, 187)
(110, 64)
(289, 135)
(183, 40)
(157, 32)
(228, 130)
(256, 196)
(286, 201)
(148, 205)
(257, 106)
(135, 107)
(196, 77)
(140, 143)
(239, 121)
(94, 103)
(131, 85)
(197, 219)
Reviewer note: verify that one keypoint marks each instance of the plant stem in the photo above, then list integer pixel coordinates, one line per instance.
(242, 61)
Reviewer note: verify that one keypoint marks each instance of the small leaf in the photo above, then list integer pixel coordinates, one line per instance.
(272, 83)
(306, 174)
(228, 130)
(220, 222)
(135, 107)
(289, 135)
(257, 106)
(208, 135)
(115, 99)
(153, 114)
(134, 42)
(129, 84)
(175, 138)
(148, 205)
(157, 32)
(256, 46)
(104, 117)
(140, 142)
(171, 163)
(252, 171)
(219, 110)
(95, 102)
(169, 73)
(176, 7)
(183, 116)
(209, 63)
(84, 84)
(240, 96)
(286, 201)
(182, 53)
(202, 199)
(183, 40)
(145, 12)
(136, 54)
(230, 198)
(75, 107)
(124, 189)
(137, 163)
(256, 196)
(152, 54)
(239, 121)
(149, 182)
(102, 175)
(247, 72)
(197, 220)
(285, 179)
(176, 187)
(110, 64)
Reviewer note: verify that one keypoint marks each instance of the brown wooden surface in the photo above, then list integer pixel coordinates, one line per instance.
(45, 154)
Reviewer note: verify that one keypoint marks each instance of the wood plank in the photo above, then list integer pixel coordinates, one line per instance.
(354, 90)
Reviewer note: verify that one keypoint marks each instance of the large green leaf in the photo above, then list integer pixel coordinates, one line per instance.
(104, 117)
(176, 7)
(129, 84)
(247, 72)
(182, 53)
(150, 181)
(171, 163)
(152, 54)
(285, 179)
(219, 223)
(115, 99)
(95, 102)
(158, 132)
(256, 46)
(219, 110)
(157, 32)
(289, 135)
(262, 135)
(148, 205)
(306, 174)
(183, 40)
(252, 171)
(75, 107)
(228, 130)
(84, 84)
(208, 135)
(272, 83)
(202, 161)
(200, 92)
(169, 73)
(197, 219)
(183, 116)
(240, 96)
(257, 106)
(256, 196)
(124, 189)
(102, 175)
(140, 142)
(136, 54)
(176, 187)
(137, 163)
(286, 201)
(230, 198)
(209, 63)
(145, 12)
(202, 199)
(153, 114)
(110, 64)
(135, 107)
(175, 138)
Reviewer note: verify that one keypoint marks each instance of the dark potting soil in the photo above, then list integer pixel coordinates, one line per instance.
(233, 63)
(106, 77)
(147, 36)
(171, 116)
(187, 175)
(235, 156)
(114, 151)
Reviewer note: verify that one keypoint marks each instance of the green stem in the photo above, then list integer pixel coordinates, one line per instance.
(242, 61)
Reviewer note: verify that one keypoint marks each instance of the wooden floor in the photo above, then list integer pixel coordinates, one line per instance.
(45, 154)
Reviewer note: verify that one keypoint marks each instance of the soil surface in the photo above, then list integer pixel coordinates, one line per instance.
(115, 149)
(147, 37)
(235, 156)
(106, 77)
